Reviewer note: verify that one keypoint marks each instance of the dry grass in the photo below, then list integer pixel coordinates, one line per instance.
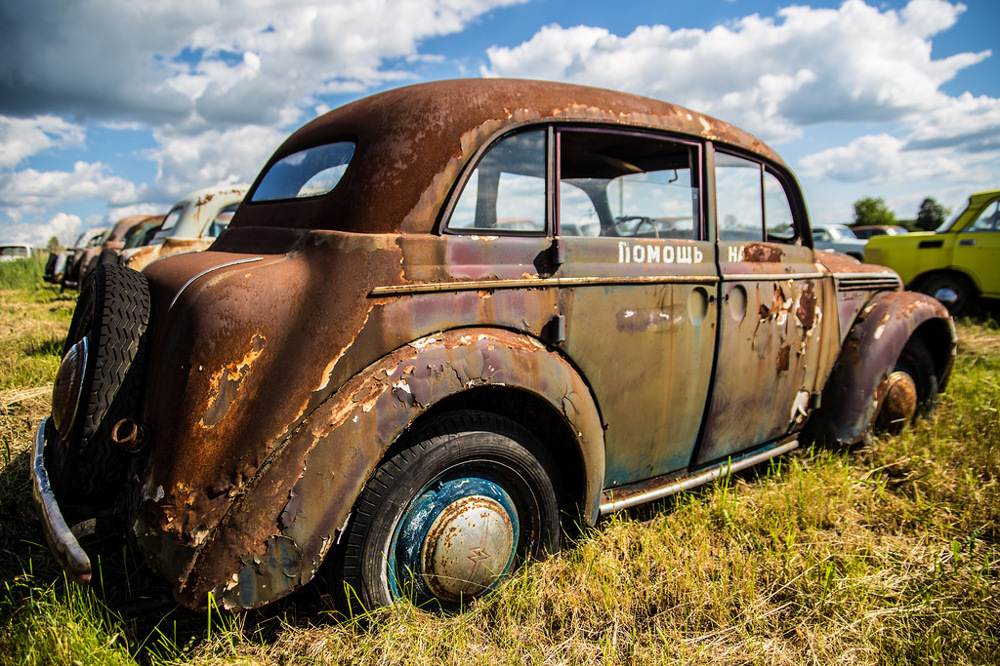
(887, 554)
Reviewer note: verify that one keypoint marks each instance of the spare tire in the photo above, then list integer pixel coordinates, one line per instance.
(108, 336)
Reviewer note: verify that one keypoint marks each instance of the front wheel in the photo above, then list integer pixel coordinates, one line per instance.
(451, 514)
(913, 387)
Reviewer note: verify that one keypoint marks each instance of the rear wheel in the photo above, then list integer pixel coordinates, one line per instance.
(446, 518)
(99, 382)
(953, 290)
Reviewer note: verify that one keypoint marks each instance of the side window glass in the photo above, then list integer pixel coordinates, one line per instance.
(738, 200)
(221, 221)
(577, 214)
(777, 210)
(987, 220)
(617, 184)
(506, 192)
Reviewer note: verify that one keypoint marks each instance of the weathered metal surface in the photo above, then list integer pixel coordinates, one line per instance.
(859, 382)
(771, 357)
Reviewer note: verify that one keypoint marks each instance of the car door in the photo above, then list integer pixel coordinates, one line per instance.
(977, 249)
(770, 309)
(637, 291)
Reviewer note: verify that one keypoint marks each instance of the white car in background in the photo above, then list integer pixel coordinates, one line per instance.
(191, 225)
(838, 238)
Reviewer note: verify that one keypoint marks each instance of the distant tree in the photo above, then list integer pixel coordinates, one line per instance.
(931, 215)
(872, 210)
(53, 245)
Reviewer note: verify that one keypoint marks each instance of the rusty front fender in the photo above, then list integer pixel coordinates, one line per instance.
(856, 388)
(277, 536)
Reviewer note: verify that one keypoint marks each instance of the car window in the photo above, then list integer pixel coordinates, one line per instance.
(777, 211)
(308, 173)
(738, 200)
(821, 235)
(221, 221)
(506, 191)
(171, 220)
(987, 220)
(752, 203)
(624, 184)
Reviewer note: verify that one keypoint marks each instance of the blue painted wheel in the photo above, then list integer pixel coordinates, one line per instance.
(449, 516)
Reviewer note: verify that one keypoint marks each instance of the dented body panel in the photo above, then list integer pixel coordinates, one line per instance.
(288, 359)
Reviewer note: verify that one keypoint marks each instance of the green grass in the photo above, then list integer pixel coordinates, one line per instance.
(884, 554)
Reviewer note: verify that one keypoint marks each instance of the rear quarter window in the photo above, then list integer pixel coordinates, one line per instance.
(312, 172)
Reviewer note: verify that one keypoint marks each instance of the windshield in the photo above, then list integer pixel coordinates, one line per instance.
(308, 173)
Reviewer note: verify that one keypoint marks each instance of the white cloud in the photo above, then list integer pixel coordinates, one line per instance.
(64, 226)
(214, 157)
(222, 62)
(31, 191)
(881, 159)
(20, 138)
(854, 63)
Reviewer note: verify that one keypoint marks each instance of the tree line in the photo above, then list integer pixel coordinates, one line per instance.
(874, 211)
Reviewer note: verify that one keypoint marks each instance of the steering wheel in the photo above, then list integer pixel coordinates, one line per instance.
(630, 225)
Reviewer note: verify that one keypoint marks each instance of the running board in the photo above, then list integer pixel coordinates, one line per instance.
(648, 491)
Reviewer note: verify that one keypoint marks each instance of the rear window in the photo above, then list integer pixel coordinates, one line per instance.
(308, 173)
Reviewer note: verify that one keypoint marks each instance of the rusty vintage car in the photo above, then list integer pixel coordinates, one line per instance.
(449, 322)
(192, 224)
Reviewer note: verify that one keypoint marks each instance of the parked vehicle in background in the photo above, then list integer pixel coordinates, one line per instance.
(141, 234)
(15, 251)
(451, 321)
(112, 241)
(191, 225)
(867, 231)
(956, 264)
(60, 263)
(838, 238)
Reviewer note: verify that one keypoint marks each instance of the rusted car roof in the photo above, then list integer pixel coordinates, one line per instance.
(404, 135)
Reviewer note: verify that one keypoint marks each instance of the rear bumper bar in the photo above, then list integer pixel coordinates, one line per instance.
(61, 540)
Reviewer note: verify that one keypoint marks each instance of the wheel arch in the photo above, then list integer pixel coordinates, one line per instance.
(278, 535)
(535, 414)
(917, 283)
(856, 387)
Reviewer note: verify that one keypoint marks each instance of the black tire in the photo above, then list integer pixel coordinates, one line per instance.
(431, 492)
(953, 290)
(914, 371)
(112, 312)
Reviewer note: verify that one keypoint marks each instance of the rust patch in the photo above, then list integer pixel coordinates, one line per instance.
(225, 384)
(762, 253)
(782, 361)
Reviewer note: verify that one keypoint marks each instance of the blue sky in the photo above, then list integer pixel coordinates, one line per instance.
(115, 107)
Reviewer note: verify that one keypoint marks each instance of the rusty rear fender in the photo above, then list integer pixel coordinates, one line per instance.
(279, 531)
(857, 385)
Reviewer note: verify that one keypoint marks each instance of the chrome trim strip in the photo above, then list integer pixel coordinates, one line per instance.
(539, 283)
(206, 272)
(678, 485)
(64, 545)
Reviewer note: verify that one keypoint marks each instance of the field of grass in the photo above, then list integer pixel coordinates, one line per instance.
(885, 554)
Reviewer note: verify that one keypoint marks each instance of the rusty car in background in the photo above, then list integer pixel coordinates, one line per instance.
(61, 263)
(452, 320)
(192, 224)
(110, 243)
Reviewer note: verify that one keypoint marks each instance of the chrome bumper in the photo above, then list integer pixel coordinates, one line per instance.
(61, 540)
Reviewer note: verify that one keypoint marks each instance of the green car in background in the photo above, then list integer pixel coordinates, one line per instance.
(956, 264)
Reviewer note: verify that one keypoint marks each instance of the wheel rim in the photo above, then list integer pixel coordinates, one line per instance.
(457, 538)
(947, 295)
(901, 399)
